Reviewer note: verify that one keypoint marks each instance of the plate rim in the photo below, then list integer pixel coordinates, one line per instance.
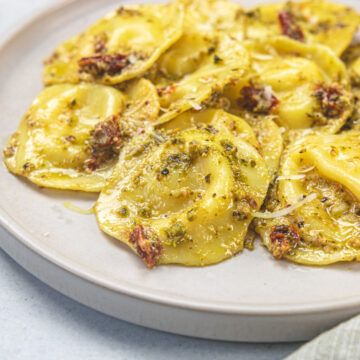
(25, 238)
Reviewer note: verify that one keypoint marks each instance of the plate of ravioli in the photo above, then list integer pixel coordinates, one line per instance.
(191, 166)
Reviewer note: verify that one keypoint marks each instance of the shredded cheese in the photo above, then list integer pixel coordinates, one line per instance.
(258, 56)
(205, 80)
(268, 92)
(158, 137)
(286, 211)
(195, 105)
(307, 170)
(290, 177)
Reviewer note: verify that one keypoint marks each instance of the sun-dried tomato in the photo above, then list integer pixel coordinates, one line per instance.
(289, 26)
(331, 99)
(99, 65)
(258, 99)
(167, 90)
(147, 244)
(283, 237)
(104, 143)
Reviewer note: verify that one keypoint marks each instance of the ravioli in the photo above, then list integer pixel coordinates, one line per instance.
(122, 45)
(321, 22)
(325, 229)
(228, 62)
(302, 86)
(183, 197)
(71, 136)
(65, 133)
(204, 22)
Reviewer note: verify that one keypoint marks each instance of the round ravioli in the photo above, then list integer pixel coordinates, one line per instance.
(121, 46)
(71, 135)
(315, 205)
(227, 62)
(183, 197)
(321, 22)
(204, 21)
(301, 85)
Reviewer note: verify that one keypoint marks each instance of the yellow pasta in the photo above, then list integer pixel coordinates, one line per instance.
(322, 172)
(122, 45)
(53, 145)
(302, 86)
(314, 21)
(142, 107)
(71, 136)
(186, 200)
(351, 57)
(229, 61)
(204, 22)
(270, 138)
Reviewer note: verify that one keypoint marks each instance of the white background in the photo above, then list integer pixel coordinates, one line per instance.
(39, 323)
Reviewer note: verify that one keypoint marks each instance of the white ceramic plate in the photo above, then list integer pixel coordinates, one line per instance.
(251, 297)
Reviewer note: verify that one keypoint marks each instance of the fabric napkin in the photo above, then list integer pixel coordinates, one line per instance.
(340, 343)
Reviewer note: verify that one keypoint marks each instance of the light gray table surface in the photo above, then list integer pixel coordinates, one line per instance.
(37, 322)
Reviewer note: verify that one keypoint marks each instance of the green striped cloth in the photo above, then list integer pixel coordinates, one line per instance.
(339, 343)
